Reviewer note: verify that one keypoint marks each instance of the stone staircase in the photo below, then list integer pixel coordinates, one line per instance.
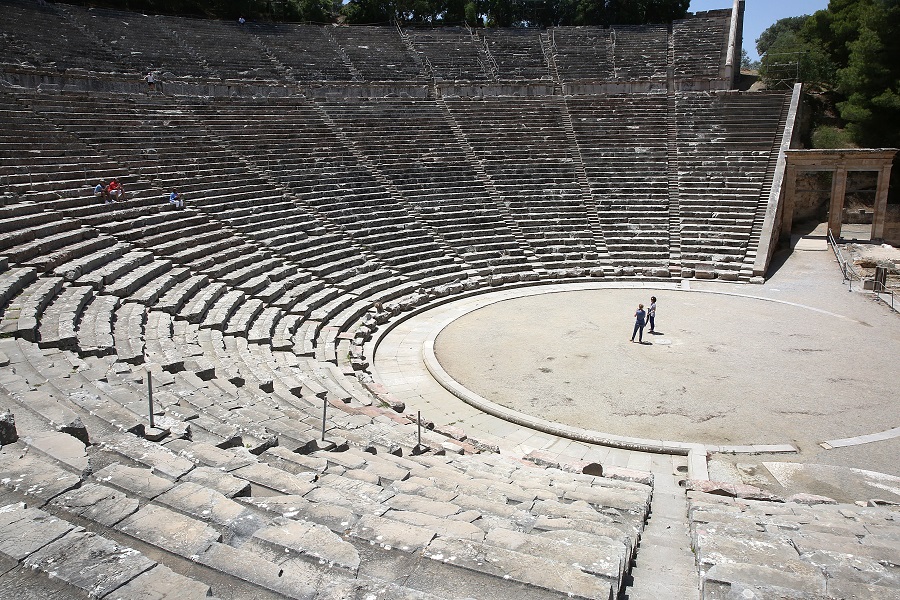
(664, 563)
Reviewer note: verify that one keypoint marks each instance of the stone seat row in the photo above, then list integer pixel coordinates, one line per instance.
(808, 546)
(122, 478)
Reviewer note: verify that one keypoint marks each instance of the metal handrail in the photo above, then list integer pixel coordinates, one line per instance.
(884, 290)
(847, 270)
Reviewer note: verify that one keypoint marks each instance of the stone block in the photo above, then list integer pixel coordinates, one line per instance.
(169, 530)
(311, 541)
(89, 562)
(97, 503)
(8, 433)
(24, 531)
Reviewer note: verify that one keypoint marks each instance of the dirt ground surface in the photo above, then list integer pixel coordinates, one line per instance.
(798, 360)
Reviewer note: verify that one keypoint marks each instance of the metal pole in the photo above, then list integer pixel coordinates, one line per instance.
(419, 423)
(150, 397)
(324, 413)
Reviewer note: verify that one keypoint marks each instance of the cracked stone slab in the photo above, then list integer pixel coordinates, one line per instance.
(275, 479)
(132, 480)
(169, 530)
(162, 583)
(59, 446)
(224, 483)
(97, 503)
(90, 562)
(27, 530)
(34, 477)
(392, 534)
(307, 539)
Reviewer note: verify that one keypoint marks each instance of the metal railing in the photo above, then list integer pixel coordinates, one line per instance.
(849, 273)
(884, 291)
(847, 270)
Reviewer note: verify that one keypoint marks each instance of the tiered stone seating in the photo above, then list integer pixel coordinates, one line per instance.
(639, 51)
(517, 52)
(701, 42)
(345, 516)
(53, 44)
(427, 166)
(525, 152)
(378, 53)
(792, 549)
(44, 164)
(139, 42)
(226, 48)
(308, 53)
(627, 172)
(725, 144)
(451, 52)
(300, 150)
(581, 52)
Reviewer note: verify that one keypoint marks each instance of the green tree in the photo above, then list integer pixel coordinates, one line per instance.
(870, 77)
(779, 27)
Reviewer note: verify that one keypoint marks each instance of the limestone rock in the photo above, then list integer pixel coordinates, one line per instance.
(8, 433)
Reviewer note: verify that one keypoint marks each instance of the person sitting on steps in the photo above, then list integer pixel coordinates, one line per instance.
(116, 191)
(176, 199)
(101, 192)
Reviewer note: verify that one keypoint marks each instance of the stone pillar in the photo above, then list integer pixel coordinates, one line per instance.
(838, 189)
(881, 198)
(787, 211)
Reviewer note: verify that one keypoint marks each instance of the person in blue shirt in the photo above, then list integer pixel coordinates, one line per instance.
(640, 317)
(176, 199)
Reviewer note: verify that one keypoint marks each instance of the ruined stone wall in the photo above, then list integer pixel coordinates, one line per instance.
(892, 225)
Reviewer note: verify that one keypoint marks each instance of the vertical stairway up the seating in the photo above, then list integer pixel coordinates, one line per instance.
(756, 229)
(502, 205)
(354, 72)
(672, 164)
(591, 208)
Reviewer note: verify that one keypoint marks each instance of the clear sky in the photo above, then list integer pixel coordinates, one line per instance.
(759, 14)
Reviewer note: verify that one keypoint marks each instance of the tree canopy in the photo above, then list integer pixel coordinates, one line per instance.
(851, 48)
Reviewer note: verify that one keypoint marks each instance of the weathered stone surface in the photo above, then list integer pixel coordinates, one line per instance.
(459, 529)
(392, 534)
(506, 566)
(97, 503)
(163, 462)
(224, 483)
(309, 540)
(810, 499)
(794, 575)
(336, 518)
(209, 455)
(849, 567)
(169, 530)
(249, 566)
(714, 546)
(59, 446)
(90, 562)
(423, 505)
(207, 504)
(26, 530)
(161, 583)
(274, 479)
(633, 475)
(132, 480)
(8, 433)
(607, 560)
(34, 477)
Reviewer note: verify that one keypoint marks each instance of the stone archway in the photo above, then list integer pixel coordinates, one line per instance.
(839, 163)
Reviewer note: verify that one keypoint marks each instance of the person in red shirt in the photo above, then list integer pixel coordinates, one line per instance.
(116, 191)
